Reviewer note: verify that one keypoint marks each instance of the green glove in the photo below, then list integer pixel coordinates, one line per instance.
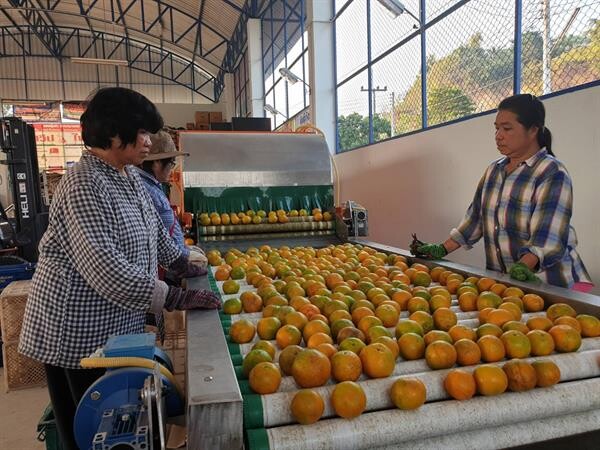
(433, 251)
(519, 271)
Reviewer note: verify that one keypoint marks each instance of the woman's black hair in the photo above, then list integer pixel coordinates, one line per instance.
(148, 166)
(118, 112)
(530, 112)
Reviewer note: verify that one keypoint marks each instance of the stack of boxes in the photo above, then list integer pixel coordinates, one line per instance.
(203, 120)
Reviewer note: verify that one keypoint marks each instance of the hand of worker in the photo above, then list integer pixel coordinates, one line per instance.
(197, 258)
(184, 268)
(519, 271)
(195, 248)
(431, 251)
(186, 299)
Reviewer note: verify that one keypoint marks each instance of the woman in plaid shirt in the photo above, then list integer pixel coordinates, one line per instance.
(96, 274)
(523, 204)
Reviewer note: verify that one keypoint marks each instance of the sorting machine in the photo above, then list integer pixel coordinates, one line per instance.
(227, 173)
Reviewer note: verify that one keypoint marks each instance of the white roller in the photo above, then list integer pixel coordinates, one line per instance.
(505, 436)
(276, 407)
(386, 428)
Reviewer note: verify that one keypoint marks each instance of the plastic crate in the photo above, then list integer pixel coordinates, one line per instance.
(21, 372)
(13, 268)
(47, 431)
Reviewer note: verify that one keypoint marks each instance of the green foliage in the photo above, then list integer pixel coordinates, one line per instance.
(354, 130)
(448, 103)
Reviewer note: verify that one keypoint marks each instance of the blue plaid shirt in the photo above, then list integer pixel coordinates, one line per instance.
(527, 210)
(162, 205)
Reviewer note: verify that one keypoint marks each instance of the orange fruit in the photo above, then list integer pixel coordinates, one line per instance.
(288, 335)
(460, 384)
(513, 308)
(338, 325)
(390, 343)
(221, 274)
(484, 284)
(516, 300)
(232, 306)
(437, 335)
(483, 315)
(267, 327)
(435, 272)
(412, 346)
(317, 339)
(458, 332)
(424, 319)
(532, 302)
(252, 359)
(315, 326)
(327, 349)
(421, 278)
(547, 373)
(307, 406)
(541, 342)
(566, 338)
(467, 352)
(539, 323)
(408, 326)
(375, 332)
(490, 379)
(521, 375)
(267, 347)
(444, 319)
(513, 291)
(348, 399)
(440, 355)
(286, 358)
(402, 297)
(311, 368)
(377, 360)
(265, 378)
(353, 344)
(590, 325)
(492, 348)
(487, 299)
(346, 366)
(560, 310)
(489, 329)
(338, 315)
(568, 320)
(498, 288)
(439, 301)
(516, 344)
(515, 325)
(408, 393)
(417, 304)
(467, 301)
(296, 318)
(387, 314)
(251, 302)
(368, 322)
(242, 331)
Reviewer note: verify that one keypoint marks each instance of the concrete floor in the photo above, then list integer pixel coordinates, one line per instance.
(20, 412)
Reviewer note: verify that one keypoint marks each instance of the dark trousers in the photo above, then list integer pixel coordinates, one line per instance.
(66, 387)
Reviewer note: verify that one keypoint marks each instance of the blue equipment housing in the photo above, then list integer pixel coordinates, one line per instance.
(112, 411)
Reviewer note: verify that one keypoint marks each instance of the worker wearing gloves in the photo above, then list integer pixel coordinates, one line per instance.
(522, 206)
(155, 170)
(96, 274)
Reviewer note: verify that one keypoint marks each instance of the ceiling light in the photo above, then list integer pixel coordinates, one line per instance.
(108, 62)
(273, 111)
(288, 75)
(396, 8)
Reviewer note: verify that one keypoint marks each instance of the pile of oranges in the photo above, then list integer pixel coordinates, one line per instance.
(344, 303)
(260, 216)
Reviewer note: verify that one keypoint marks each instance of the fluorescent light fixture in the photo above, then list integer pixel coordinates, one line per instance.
(273, 111)
(108, 62)
(396, 8)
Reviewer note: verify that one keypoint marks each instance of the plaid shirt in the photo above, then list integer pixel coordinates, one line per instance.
(162, 205)
(96, 273)
(527, 210)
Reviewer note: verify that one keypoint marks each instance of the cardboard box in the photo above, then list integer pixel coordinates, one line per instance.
(202, 117)
(216, 117)
(190, 126)
(202, 126)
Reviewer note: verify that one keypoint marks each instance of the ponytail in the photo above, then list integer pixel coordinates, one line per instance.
(544, 138)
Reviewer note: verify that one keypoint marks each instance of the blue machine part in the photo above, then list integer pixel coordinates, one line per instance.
(126, 425)
(138, 346)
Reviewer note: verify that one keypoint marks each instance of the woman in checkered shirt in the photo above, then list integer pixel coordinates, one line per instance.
(523, 205)
(96, 274)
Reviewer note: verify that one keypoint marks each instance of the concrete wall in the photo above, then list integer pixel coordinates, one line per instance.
(424, 182)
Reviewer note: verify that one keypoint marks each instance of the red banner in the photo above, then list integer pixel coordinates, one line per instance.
(37, 112)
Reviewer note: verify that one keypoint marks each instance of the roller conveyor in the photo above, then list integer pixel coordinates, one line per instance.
(284, 436)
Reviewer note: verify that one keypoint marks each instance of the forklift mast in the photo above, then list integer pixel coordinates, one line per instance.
(31, 212)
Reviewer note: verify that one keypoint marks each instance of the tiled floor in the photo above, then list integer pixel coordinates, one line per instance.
(20, 412)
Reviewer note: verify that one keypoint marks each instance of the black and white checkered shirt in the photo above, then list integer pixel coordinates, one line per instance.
(97, 269)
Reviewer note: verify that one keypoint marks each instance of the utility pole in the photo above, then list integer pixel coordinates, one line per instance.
(374, 91)
(547, 44)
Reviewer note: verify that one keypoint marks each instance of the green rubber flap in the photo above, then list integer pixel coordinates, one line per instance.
(253, 411)
(239, 372)
(245, 387)
(237, 360)
(258, 439)
(234, 349)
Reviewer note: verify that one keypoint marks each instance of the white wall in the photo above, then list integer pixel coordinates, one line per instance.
(424, 182)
